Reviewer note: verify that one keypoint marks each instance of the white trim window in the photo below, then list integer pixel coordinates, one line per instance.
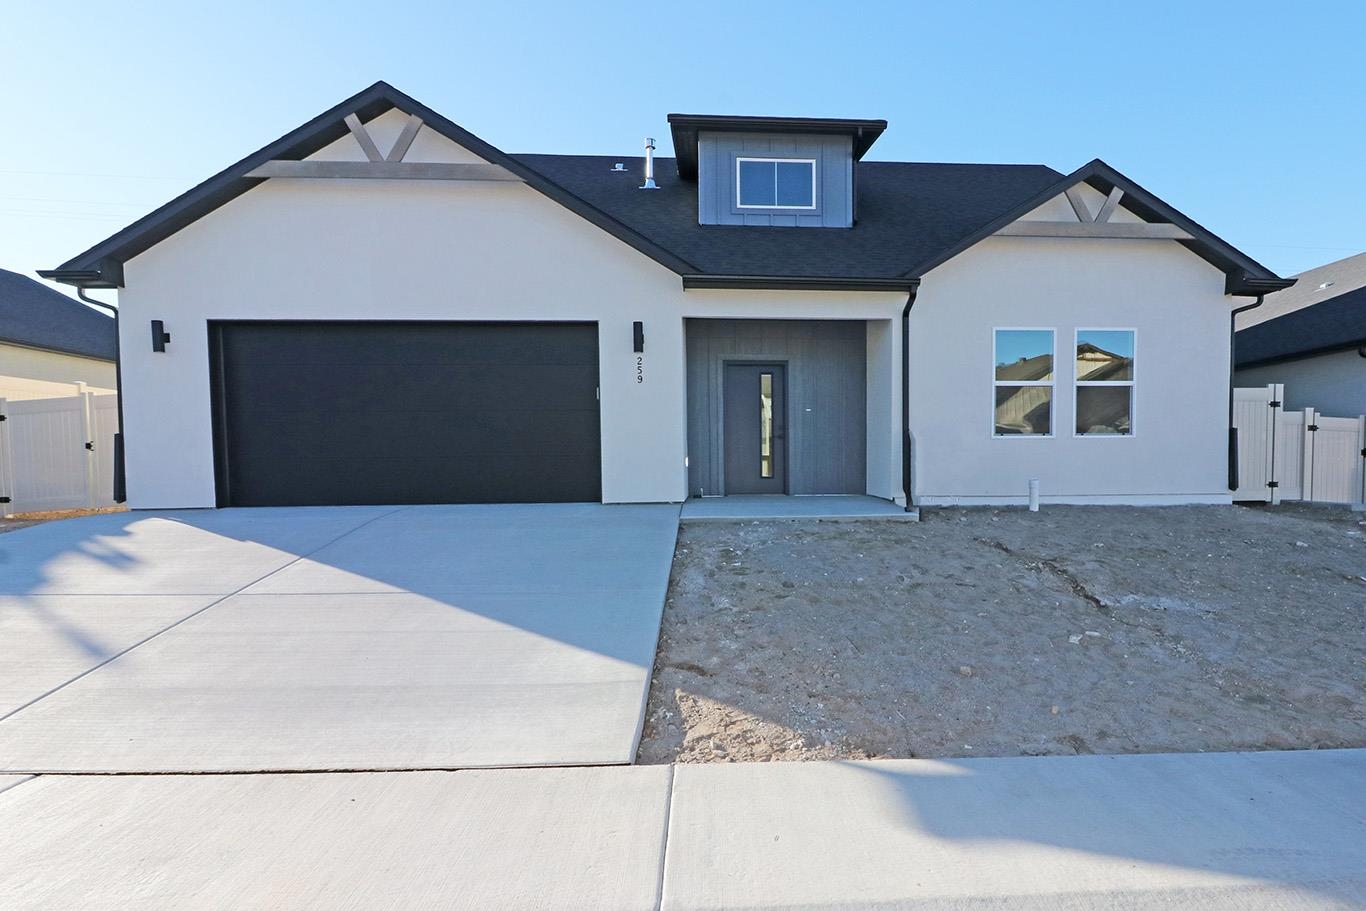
(1022, 381)
(1104, 401)
(775, 183)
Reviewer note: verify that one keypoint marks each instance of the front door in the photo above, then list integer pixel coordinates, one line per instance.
(755, 431)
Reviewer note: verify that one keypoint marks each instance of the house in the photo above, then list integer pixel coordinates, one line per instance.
(1313, 341)
(49, 342)
(381, 307)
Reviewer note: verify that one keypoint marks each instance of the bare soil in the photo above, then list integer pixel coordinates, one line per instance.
(26, 519)
(982, 632)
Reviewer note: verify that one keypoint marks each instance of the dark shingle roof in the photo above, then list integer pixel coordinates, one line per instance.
(1333, 325)
(910, 217)
(34, 315)
(1312, 286)
(907, 213)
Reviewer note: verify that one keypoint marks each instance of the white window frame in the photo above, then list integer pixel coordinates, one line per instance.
(814, 201)
(1078, 382)
(1052, 384)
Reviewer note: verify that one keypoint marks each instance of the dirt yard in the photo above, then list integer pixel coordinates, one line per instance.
(1000, 633)
(24, 520)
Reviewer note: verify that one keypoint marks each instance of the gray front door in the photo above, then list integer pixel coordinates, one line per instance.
(755, 430)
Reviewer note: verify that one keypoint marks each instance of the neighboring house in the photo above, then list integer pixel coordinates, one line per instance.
(49, 342)
(1314, 341)
(380, 307)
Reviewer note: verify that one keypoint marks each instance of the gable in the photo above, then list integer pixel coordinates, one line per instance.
(909, 217)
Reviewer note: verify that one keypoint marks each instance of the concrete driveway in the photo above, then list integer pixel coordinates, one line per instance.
(364, 638)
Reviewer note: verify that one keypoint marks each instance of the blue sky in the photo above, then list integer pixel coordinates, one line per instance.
(1246, 116)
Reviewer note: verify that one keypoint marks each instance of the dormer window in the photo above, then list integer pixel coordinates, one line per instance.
(775, 183)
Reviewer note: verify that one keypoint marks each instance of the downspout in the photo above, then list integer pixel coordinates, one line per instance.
(1232, 363)
(906, 396)
(120, 478)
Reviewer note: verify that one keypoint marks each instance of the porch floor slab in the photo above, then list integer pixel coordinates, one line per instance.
(836, 507)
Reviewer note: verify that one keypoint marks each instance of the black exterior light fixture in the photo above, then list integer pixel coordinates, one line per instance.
(160, 337)
(638, 336)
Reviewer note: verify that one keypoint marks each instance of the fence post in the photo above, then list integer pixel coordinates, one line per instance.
(1277, 403)
(1307, 456)
(1360, 504)
(6, 463)
(88, 442)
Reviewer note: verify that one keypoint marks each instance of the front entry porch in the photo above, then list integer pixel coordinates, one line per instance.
(833, 508)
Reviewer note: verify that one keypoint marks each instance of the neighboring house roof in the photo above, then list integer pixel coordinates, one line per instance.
(34, 315)
(1312, 286)
(1336, 324)
(1032, 368)
(911, 217)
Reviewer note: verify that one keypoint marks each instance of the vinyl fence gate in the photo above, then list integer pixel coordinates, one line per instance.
(57, 453)
(1296, 455)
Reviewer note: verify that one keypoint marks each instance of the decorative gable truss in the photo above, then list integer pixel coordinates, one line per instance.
(390, 166)
(1094, 225)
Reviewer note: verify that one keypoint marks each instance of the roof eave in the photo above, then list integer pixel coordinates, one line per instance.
(698, 282)
(1244, 285)
(685, 127)
(1317, 351)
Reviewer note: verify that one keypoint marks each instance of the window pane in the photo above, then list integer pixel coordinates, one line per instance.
(794, 183)
(757, 183)
(1024, 409)
(1104, 409)
(1105, 354)
(1024, 354)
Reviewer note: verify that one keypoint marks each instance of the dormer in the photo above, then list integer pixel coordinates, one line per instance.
(795, 172)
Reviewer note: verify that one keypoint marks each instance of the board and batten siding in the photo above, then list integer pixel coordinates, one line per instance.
(717, 203)
(826, 398)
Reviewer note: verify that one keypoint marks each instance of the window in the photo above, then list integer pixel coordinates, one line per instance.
(765, 425)
(1024, 382)
(775, 183)
(1105, 382)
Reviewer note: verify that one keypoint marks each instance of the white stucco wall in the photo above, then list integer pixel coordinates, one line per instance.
(442, 250)
(423, 250)
(1174, 301)
(1334, 383)
(30, 373)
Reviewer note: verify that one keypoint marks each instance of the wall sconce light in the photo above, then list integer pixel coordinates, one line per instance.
(160, 337)
(638, 334)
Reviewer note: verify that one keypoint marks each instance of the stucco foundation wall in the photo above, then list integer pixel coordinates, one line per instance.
(298, 249)
(1176, 304)
(1333, 383)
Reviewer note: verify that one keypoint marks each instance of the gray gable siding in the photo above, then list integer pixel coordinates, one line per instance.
(716, 189)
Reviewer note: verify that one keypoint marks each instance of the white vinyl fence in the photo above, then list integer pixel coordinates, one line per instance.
(57, 453)
(1296, 455)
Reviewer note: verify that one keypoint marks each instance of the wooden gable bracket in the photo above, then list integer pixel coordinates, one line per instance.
(383, 167)
(1098, 225)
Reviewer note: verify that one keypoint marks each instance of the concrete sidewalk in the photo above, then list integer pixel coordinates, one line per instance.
(1223, 831)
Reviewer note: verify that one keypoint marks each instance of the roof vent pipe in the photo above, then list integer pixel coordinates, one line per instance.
(649, 165)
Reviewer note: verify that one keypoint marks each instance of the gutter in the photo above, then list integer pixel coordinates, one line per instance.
(1232, 366)
(906, 395)
(699, 281)
(120, 475)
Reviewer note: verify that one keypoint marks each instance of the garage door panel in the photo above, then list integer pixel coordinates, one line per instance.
(395, 435)
(366, 413)
(290, 344)
(384, 387)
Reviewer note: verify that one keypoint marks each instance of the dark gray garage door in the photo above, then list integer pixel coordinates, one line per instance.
(310, 413)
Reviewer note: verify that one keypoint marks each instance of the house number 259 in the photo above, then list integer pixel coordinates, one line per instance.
(640, 369)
